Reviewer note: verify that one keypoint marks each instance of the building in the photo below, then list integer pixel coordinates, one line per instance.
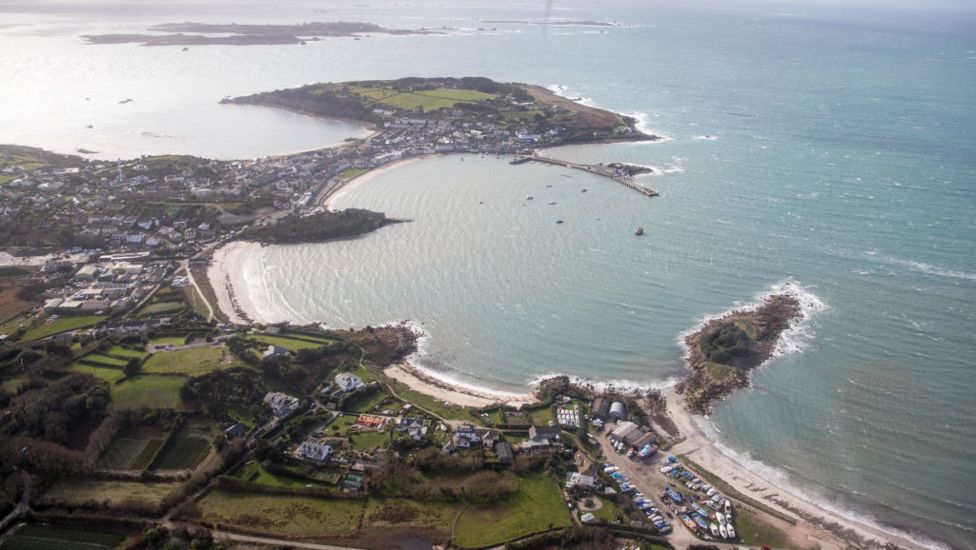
(235, 430)
(86, 273)
(632, 435)
(618, 410)
(601, 408)
(414, 427)
(465, 436)
(541, 438)
(274, 352)
(281, 404)
(582, 481)
(504, 452)
(347, 381)
(313, 449)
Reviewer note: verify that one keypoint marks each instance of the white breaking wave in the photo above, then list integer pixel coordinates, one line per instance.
(640, 116)
(930, 269)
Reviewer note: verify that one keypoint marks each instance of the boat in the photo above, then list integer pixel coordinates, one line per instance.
(530, 197)
(714, 529)
(639, 232)
(559, 221)
(702, 524)
(688, 523)
(728, 507)
(519, 160)
(722, 531)
(730, 530)
(728, 518)
(583, 191)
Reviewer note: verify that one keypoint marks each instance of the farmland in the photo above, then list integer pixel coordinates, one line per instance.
(109, 374)
(148, 391)
(281, 514)
(48, 327)
(181, 452)
(82, 492)
(189, 362)
(43, 537)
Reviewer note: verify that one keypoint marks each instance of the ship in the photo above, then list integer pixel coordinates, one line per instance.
(639, 232)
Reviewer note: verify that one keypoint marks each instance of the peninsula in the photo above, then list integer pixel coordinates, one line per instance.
(203, 34)
(328, 225)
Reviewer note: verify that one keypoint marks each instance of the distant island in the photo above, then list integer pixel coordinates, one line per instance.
(723, 352)
(557, 23)
(204, 34)
(320, 227)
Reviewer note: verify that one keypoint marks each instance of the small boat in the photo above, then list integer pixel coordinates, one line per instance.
(702, 524)
(728, 507)
(559, 221)
(530, 197)
(639, 232)
(688, 523)
(552, 203)
(723, 531)
(714, 529)
(583, 191)
(728, 518)
(730, 530)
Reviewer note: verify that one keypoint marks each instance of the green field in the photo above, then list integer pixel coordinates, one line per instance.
(119, 351)
(127, 453)
(351, 173)
(292, 344)
(409, 513)
(609, 511)
(79, 492)
(102, 359)
(190, 362)
(181, 453)
(109, 374)
(156, 308)
(364, 400)
(62, 324)
(254, 473)
(148, 391)
(427, 100)
(44, 537)
(755, 532)
(168, 341)
(537, 507)
(367, 441)
(280, 514)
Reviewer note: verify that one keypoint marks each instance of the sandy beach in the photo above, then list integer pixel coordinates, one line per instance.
(416, 380)
(330, 199)
(815, 524)
(227, 279)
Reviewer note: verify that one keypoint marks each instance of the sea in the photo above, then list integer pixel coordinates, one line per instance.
(825, 151)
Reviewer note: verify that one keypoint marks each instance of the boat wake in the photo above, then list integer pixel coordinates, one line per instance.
(930, 269)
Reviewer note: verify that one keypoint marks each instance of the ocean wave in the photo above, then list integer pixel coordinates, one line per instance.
(930, 269)
(782, 479)
(601, 385)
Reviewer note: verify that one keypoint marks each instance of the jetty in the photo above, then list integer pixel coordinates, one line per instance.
(599, 169)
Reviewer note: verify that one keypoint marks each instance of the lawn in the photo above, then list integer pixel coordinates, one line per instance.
(181, 453)
(281, 514)
(168, 341)
(364, 400)
(542, 416)
(450, 412)
(109, 374)
(367, 441)
(254, 473)
(43, 537)
(78, 492)
(148, 391)
(119, 351)
(432, 100)
(62, 324)
(100, 359)
(292, 344)
(538, 507)
(752, 530)
(161, 307)
(191, 362)
(609, 511)
(351, 173)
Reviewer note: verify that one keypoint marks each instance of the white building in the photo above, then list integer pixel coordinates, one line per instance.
(348, 382)
(577, 479)
(281, 404)
(315, 450)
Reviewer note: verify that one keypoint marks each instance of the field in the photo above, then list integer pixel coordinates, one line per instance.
(291, 343)
(109, 374)
(451, 412)
(191, 362)
(537, 507)
(168, 341)
(62, 324)
(253, 472)
(119, 351)
(148, 391)
(409, 513)
(754, 531)
(609, 511)
(427, 100)
(281, 514)
(181, 452)
(10, 305)
(156, 308)
(101, 359)
(367, 441)
(78, 492)
(129, 453)
(43, 537)
(364, 400)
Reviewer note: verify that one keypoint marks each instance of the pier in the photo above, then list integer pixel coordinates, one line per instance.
(597, 169)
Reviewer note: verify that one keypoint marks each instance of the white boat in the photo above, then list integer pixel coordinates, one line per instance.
(728, 507)
(730, 530)
(714, 529)
(710, 491)
(722, 531)
(728, 517)
(720, 518)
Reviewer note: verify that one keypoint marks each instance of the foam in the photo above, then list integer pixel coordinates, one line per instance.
(930, 269)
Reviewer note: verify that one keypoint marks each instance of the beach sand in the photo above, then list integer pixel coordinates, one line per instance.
(227, 279)
(335, 194)
(815, 524)
(416, 380)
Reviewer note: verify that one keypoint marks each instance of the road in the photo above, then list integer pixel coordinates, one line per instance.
(185, 266)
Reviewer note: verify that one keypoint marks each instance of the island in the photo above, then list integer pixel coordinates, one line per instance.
(723, 351)
(203, 34)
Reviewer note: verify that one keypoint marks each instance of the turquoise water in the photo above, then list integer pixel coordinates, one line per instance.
(843, 167)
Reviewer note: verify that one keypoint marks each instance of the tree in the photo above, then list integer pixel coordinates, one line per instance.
(132, 367)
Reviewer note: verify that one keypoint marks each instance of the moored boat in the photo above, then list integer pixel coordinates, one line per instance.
(639, 232)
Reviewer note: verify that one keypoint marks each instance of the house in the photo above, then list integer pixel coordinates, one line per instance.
(582, 481)
(489, 437)
(414, 427)
(504, 452)
(313, 449)
(274, 352)
(348, 381)
(281, 404)
(540, 438)
(601, 408)
(235, 430)
(465, 436)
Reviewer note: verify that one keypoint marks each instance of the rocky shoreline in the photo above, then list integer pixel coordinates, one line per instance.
(723, 352)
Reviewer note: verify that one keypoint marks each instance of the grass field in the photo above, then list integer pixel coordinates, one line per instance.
(125, 452)
(156, 308)
(281, 514)
(78, 492)
(109, 374)
(752, 530)
(537, 507)
(364, 400)
(181, 452)
(62, 324)
(292, 344)
(190, 362)
(103, 359)
(409, 513)
(451, 412)
(609, 511)
(253, 472)
(367, 441)
(44, 537)
(148, 391)
(351, 173)
(168, 341)
(119, 351)
(427, 100)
